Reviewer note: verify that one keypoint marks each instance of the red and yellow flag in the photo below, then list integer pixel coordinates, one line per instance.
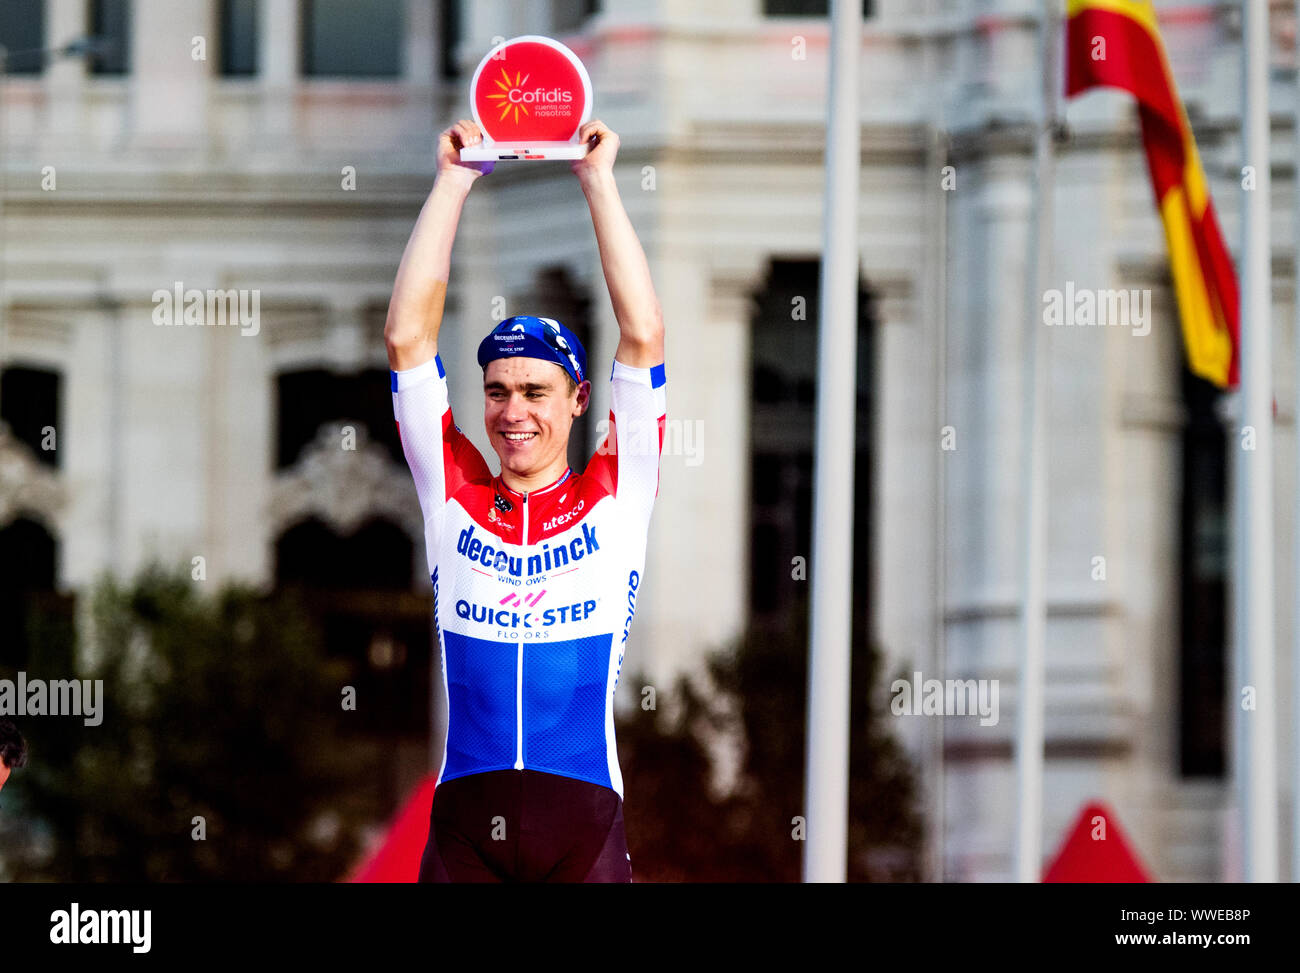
(1116, 43)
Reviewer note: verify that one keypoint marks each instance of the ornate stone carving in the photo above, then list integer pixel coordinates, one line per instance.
(26, 485)
(345, 487)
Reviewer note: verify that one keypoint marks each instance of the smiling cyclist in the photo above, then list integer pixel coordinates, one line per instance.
(535, 570)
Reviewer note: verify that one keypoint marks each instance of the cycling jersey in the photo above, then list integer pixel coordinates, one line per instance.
(534, 593)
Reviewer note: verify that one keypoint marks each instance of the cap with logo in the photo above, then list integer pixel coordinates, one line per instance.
(524, 336)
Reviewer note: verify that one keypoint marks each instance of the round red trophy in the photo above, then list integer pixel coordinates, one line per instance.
(529, 95)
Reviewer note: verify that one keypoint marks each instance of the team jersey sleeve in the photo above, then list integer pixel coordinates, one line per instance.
(440, 456)
(627, 460)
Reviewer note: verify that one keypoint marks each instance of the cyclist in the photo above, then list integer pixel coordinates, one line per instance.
(536, 569)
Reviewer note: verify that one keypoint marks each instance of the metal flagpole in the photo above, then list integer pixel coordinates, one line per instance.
(830, 618)
(1033, 605)
(1295, 600)
(938, 153)
(934, 851)
(1256, 749)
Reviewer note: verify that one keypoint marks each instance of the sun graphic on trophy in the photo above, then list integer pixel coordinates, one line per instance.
(504, 95)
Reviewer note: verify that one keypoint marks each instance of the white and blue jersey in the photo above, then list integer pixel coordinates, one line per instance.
(533, 593)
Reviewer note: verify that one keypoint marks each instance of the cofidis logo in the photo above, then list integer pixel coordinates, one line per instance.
(514, 97)
(531, 88)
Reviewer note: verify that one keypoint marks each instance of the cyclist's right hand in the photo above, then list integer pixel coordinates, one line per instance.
(465, 132)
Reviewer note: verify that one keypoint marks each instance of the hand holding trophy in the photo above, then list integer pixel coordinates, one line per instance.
(530, 96)
(451, 142)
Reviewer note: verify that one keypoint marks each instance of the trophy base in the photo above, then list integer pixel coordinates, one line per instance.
(504, 151)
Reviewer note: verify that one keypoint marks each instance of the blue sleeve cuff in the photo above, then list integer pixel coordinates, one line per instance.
(653, 376)
(414, 376)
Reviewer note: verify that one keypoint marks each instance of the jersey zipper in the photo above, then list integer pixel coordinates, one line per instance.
(519, 674)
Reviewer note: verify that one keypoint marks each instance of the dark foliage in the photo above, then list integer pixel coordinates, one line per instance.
(678, 831)
(219, 707)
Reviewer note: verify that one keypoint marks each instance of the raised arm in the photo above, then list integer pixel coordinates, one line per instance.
(627, 274)
(420, 291)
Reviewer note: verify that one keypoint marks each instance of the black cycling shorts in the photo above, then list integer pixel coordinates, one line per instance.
(525, 826)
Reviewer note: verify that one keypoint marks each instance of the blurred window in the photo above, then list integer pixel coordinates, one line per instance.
(450, 38)
(377, 556)
(568, 16)
(29, 405)
(348, 39)
(359, 590)
(783, 383)
(807, 8)
(238, 38)
(22, 33)
(306, 400)
(1203, 584)
(28, 558)
(111, 21)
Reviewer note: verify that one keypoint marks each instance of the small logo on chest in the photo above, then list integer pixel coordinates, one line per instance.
(561, 519)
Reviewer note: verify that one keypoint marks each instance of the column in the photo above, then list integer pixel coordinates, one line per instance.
(278, 30)
(169, 86)
(65, 21)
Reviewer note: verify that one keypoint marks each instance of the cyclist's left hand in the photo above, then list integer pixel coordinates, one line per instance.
(602, 144)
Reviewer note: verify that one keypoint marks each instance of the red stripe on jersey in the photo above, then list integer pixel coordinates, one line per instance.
(603, 466)
(461, 461)
(662, 420)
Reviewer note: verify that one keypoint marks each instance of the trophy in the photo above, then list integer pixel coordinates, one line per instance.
(529, 95)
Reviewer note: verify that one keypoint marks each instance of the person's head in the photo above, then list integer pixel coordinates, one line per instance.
(534, 385)
(13, 750)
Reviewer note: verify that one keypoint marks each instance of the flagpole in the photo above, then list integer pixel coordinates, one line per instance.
(1256, 750)
(935, 833)
(1033, 604)
(1295, 599)
(830, 627)
(938, 153)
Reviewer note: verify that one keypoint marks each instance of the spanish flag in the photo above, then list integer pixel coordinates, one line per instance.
(1116, 43)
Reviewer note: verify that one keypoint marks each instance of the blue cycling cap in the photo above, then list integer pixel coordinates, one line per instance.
(525, 336)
